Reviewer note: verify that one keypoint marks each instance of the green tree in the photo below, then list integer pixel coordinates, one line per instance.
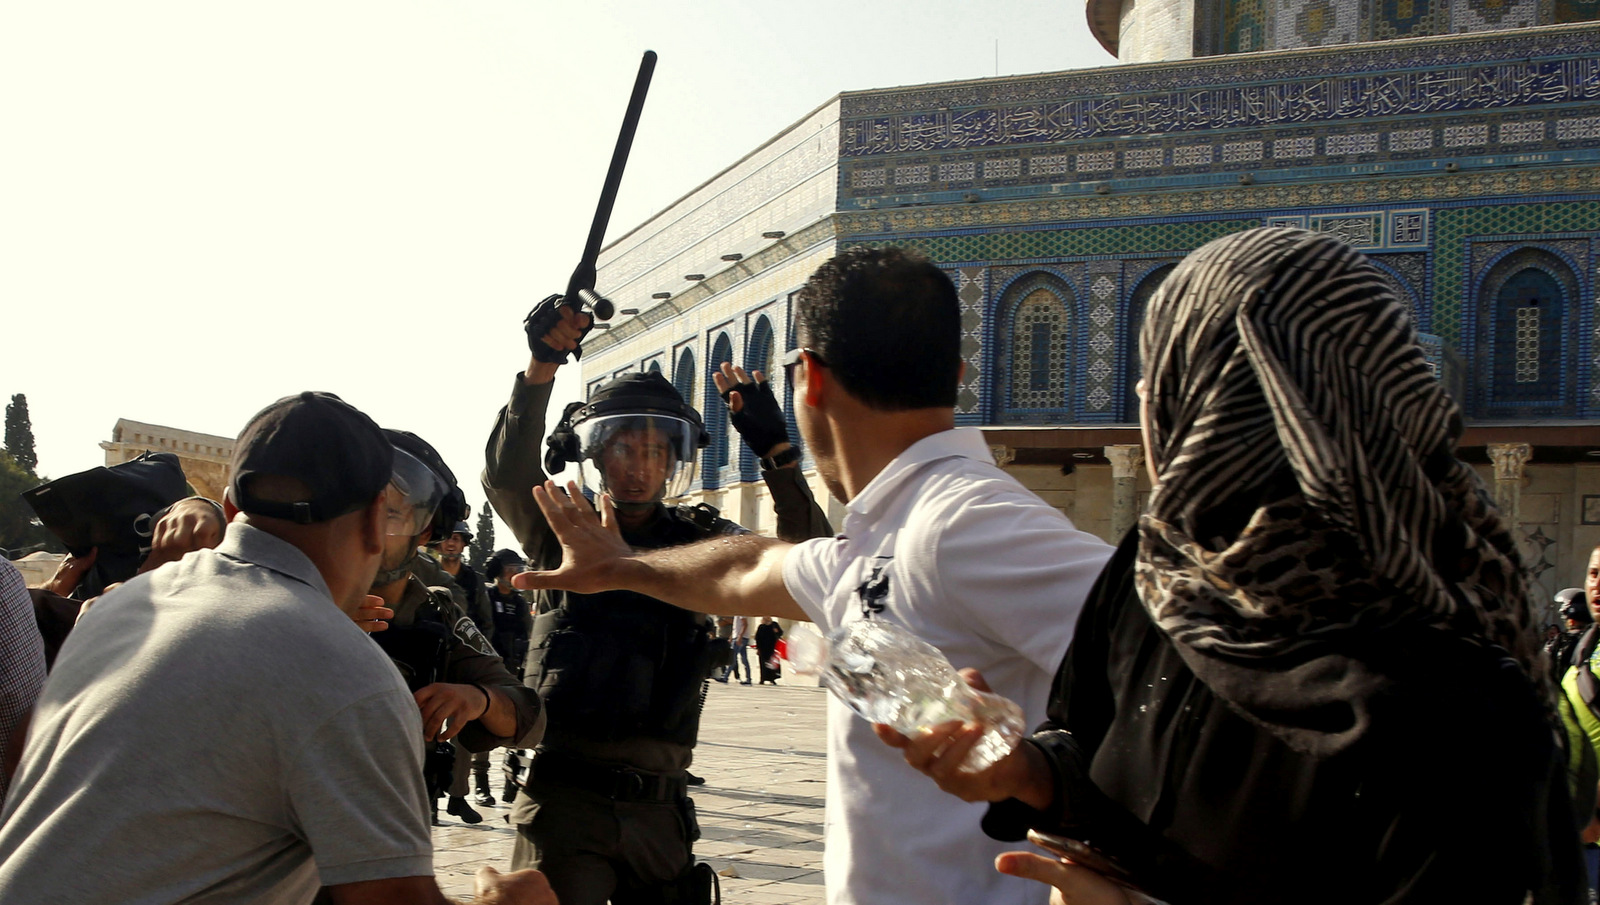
(19, 434)
(18, 530)
(482, 539)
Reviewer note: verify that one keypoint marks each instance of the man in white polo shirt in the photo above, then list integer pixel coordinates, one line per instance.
(935, 538)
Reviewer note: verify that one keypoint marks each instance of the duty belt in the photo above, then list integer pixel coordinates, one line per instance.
(607, 780)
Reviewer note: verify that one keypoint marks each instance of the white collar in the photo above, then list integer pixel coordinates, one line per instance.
(960, 442)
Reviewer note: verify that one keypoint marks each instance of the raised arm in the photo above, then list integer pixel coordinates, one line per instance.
(754, 412)
(729, 575)
(512, 457)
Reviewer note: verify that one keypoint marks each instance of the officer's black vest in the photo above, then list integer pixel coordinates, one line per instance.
(618, 664)
(421, 649)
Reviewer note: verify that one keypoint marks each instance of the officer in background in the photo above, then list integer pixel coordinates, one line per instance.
(604, 811)
(474, 598)
(513, 626)
(461, 685)
(448, 551)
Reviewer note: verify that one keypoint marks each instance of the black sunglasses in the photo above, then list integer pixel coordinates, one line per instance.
(794, 357)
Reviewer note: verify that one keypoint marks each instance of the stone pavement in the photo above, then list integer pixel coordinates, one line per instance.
(762, 752)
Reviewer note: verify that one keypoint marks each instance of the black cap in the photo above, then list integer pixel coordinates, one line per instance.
(320, 440)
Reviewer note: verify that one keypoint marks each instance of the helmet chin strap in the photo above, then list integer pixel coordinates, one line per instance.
(390, 576)
(634, 508)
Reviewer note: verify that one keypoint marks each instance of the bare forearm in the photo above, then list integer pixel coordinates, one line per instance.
(501, 718)
(730, 576)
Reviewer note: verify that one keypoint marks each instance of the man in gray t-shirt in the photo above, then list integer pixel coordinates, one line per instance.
(220, 730)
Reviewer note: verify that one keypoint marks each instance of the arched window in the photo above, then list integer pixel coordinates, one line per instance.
(1036, 352)
(1132, 366)
(716, 414)
(655, 367)
(1526, 309)
(683, 376)
(758, 354)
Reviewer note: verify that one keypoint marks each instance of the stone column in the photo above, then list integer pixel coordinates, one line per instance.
(1125, 464)
(1509, 459)
(1003, 455)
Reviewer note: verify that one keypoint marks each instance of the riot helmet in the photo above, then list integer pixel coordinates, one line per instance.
(501, 562)
(1571, 605)
(635, 439)
(422, 493)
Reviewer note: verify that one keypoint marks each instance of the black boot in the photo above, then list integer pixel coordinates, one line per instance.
(483, 796)
(458, 807)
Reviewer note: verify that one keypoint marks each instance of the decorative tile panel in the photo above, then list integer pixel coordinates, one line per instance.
(1522, 133)
(1361, 143)
(971, 291)
(964, 171)
(1049, 165)
(1411, 140)
(1466, 136)
(1003, 168)
(1237, 151)
(917, 174)
(1293, 147)
(1143, 158)
(1097, 161)
(1578, 128)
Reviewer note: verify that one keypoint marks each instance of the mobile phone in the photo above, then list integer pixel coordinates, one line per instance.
(1084, 855)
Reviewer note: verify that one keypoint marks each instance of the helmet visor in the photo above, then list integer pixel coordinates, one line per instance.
(414, 492)
(636, 458)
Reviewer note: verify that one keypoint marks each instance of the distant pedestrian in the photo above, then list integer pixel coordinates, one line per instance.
(767, 635)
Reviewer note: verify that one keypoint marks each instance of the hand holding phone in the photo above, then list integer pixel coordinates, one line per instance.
(1084, 855)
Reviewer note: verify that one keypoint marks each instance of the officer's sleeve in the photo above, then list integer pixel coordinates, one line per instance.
(799, 516)
(356, 795)
(472, 661)
(512, 468)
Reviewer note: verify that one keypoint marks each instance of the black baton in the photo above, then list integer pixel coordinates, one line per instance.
(580, 289)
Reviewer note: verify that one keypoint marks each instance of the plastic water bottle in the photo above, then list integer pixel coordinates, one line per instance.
(888, 675)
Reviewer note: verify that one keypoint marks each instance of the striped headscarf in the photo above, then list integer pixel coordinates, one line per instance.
(1308, 490)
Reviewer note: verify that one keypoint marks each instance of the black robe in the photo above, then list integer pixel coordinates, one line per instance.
(1455, 794)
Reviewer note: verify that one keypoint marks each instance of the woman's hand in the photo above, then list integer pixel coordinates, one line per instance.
(1074, 884)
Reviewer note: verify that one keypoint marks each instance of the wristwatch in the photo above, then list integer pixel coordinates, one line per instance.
(792, 454)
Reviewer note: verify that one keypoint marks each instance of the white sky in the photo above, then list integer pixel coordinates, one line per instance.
(205, 206)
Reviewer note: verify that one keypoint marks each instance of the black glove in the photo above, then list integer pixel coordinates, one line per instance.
(540, 321)
(759, 421)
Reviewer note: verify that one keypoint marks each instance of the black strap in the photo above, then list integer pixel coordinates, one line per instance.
(1588, 688)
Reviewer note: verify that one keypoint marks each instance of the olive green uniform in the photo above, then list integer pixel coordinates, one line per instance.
(606, 816)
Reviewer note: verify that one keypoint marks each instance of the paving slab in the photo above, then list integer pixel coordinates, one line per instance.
(762, 753)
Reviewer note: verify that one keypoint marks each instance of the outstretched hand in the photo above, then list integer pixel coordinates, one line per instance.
(592, 547)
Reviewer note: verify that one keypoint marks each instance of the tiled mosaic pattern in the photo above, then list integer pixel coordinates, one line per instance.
(1190, 124)
(1004, 246)
(1034, 363)
(1101, 372)
(971, 290)
(1318, 23)
(1453, 227)
(1526, 296)
(1104, 363)
(1314, 23)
